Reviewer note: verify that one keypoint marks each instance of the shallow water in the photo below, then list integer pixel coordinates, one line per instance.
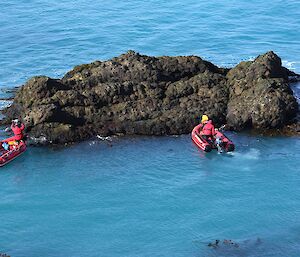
(148, 196)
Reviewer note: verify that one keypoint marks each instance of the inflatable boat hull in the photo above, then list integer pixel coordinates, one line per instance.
(7, 156)
(205, 145)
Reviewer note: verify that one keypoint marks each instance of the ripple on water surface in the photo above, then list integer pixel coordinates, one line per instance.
(148, 196)
(152, 197)
(51, 37)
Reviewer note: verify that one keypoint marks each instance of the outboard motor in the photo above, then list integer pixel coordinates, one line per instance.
(219, 144)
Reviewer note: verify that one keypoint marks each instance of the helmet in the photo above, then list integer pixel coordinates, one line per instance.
(15, 121)
(204, 118)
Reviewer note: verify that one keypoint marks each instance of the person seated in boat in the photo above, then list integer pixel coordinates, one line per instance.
(18, 129)
(207, 129)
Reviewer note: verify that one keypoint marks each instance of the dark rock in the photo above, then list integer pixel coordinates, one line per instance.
(4, 255)
(292, 129)
(260, 96)
(138, 94)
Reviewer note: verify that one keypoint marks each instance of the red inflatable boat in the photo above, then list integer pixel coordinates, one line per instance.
(221, 142)
(13, 152)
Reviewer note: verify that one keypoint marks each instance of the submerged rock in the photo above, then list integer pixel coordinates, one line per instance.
(225, 242)
(4, 255)
(138, 94)
(228, 247)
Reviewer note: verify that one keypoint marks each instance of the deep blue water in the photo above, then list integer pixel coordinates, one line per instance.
(148, 196)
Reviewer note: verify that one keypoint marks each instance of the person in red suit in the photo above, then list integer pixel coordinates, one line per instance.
(18, 129)
(207, 129)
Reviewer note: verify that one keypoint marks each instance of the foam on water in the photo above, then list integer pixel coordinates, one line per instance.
(291, 65)
(251, 154)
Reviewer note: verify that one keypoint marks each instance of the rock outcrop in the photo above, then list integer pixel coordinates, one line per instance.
(260, 96)
(137, 94)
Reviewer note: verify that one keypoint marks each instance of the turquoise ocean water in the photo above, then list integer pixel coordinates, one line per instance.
(148, 196)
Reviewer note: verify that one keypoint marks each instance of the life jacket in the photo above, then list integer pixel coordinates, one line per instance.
(208, 129)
